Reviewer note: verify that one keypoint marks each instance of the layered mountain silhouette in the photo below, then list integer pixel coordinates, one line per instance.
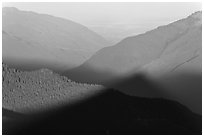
(145, 84)
(170, 55)
(32, 41)
(43, 102)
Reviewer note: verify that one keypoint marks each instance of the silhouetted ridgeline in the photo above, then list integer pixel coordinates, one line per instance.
(106, 111)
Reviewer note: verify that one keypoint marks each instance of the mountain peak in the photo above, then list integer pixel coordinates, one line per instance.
(10, 9)
(193, 20)
(197, 18)
(197, 15)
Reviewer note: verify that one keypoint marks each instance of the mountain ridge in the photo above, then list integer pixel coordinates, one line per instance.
(164, 54)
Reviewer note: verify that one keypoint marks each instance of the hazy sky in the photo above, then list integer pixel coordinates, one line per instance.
(112, 13)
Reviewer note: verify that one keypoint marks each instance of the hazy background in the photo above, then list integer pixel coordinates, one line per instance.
(114, 21)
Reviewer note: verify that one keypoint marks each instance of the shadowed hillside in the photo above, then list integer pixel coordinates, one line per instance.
(86, 109)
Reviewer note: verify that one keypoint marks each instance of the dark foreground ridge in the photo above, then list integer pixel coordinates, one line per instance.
(108, 112)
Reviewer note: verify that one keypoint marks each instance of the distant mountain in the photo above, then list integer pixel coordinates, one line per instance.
(32, 40)
(165, 54)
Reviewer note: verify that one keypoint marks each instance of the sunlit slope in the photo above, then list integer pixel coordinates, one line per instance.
(179, 38)
(31, 91)
(169, 55)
